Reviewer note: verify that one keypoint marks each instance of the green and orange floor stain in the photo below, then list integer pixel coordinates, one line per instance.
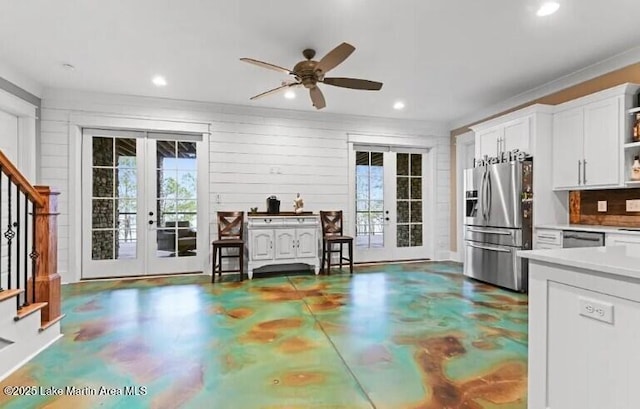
(416, 335)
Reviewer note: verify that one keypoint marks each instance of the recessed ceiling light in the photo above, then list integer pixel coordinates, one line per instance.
(398, 105)
(68, 66)
(548, 8)
(290, 94)
(159, 81)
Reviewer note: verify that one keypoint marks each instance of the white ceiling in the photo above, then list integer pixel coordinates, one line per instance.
(445, 58)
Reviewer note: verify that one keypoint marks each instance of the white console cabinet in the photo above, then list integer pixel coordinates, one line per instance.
(286, 239)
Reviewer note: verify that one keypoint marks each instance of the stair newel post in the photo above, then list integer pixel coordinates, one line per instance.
(47, 288)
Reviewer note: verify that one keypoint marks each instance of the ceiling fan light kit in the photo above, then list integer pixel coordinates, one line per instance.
(309, 73)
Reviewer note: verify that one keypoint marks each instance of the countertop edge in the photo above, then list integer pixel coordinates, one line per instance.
(549, 256)
(590, 228)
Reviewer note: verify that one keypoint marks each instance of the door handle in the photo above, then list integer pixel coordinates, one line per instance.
(475, 246)
(501, 233)
(584, 172)
(579, 172)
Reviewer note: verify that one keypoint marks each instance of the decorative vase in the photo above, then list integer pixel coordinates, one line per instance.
(636, 129)
(635, 168)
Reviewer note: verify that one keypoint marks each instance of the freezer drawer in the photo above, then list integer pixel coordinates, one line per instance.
(497, 265)
(492, 235)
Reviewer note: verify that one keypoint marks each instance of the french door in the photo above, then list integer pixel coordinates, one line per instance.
(142, 201)
(390, 204)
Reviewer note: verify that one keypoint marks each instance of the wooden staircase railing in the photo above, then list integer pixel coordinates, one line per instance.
(29, 242)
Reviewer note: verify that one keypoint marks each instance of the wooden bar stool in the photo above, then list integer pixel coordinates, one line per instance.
(332, 235)
(230, 236)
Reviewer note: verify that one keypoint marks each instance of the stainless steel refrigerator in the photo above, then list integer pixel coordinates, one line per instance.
(498, 214)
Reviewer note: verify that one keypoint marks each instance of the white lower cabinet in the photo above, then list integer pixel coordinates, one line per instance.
(584, 328)
(613, 239)
(283, 240)
(545, 239)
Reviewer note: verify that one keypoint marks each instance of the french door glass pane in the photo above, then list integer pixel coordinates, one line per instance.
(369, 199)
(409, 200)
(113, 204)
(176, 181)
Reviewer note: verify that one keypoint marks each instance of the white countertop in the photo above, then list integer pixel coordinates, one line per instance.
(589, 227)
(618, 260)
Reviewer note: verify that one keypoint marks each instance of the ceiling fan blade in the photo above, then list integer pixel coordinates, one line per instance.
(317, 98)
(275, 90)
(266, 65)
(335, 57)
(353, 83)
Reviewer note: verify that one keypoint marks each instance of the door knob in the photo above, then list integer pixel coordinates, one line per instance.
(150, 221)
(386, 218)
(386, 212)
(150, 213)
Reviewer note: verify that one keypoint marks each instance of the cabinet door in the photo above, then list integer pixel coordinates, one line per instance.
(517, 135)
(602, 143)
(623, 239)
(261, 244)
(487, 142)
(568, 131)
(306, 243)
(591, 364)
(285, 244)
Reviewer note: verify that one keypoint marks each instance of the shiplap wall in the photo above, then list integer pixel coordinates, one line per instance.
(254, 153)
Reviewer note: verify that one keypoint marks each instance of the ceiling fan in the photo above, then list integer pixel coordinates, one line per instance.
(309, 73)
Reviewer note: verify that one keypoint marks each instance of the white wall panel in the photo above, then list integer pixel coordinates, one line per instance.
(254, 153)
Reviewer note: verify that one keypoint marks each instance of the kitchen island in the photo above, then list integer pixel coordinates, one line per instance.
(584, 328)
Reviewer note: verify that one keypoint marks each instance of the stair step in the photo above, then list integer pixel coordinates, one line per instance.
(28, 310)
(47, 324)
(6, 294)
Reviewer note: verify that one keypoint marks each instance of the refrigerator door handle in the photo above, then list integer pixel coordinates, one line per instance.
(501, 233)
(485, 194)
(476, 246)
(488, 194)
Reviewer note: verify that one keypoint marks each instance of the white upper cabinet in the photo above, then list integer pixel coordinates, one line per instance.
(487, 142)
(568, 148)
(603, 126)
(504, 137)
(588, 134)
(516, 135)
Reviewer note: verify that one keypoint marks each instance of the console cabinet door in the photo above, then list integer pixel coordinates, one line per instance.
(285, 244)
(306, 243)
(602, 143)
(261, 244)
(568, 152)
(517, 135)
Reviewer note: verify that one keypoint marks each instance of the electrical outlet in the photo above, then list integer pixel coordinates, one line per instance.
(633, 205)
(597, 310)
(602, 205)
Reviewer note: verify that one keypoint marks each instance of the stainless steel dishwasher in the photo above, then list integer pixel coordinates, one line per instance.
(573, 238)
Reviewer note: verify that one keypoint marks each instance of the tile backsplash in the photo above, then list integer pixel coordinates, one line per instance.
(583, 205)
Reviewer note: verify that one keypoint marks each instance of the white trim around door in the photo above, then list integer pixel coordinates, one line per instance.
(465, 152)
(79, 122)
(426, 148)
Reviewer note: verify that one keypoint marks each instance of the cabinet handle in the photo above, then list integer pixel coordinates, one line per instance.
(270, 244)
(579, 170)
(267, 220)
(584, 171)
(542, 236)
(498, 146)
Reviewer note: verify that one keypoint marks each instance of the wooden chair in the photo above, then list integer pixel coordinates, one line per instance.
(230, 236)
(331, 236)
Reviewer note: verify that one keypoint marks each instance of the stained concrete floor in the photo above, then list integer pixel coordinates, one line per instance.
(391, 336)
